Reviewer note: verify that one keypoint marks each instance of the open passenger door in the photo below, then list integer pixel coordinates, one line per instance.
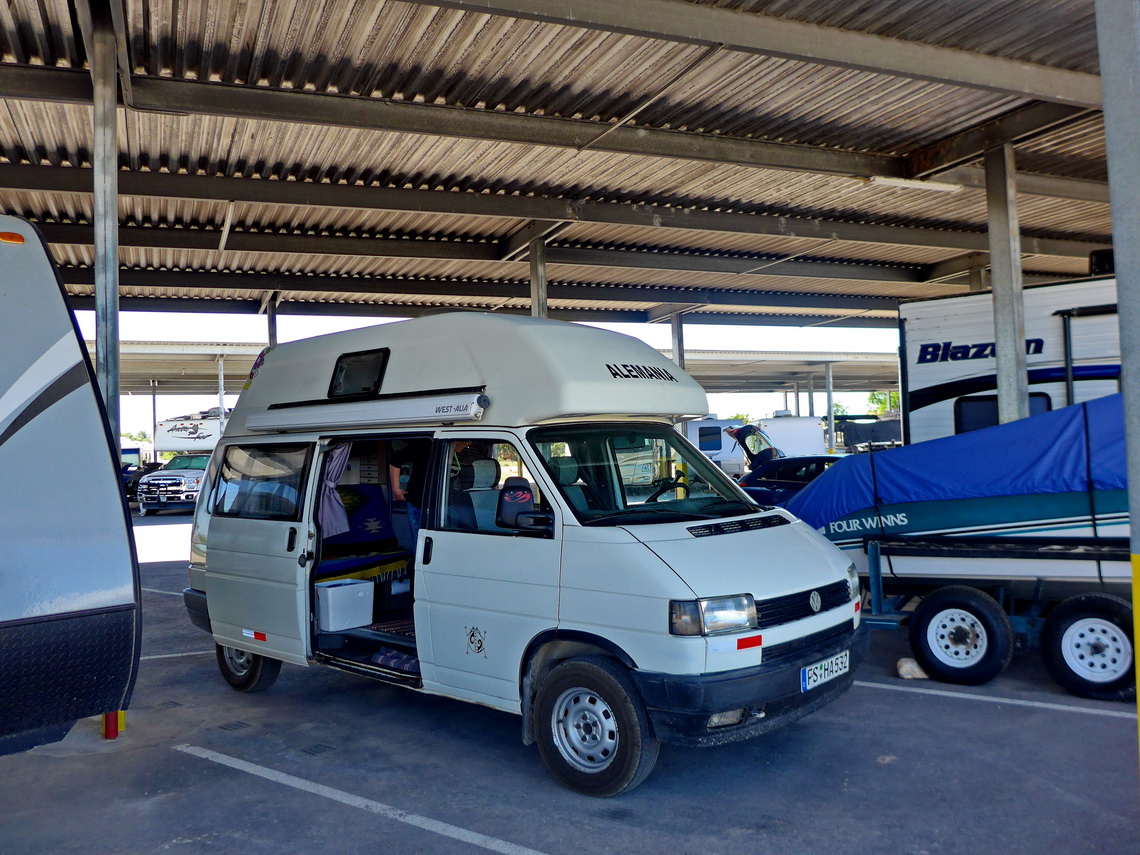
(69, 584)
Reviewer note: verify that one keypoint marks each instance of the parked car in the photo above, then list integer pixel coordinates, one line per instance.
(133, 474)
(775, 481)
(174, 486)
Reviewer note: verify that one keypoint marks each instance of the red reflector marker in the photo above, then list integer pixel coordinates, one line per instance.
(255, 635)
(858, 605)
(751, 641)
(11, 237)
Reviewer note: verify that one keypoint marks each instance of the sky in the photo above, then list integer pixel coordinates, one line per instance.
(136, 411)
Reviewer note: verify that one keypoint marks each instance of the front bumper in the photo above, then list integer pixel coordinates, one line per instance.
(680, 705)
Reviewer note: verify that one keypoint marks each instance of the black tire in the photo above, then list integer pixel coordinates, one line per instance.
(1087, 647)
(245, 671)
(961, 635)
(611, 747)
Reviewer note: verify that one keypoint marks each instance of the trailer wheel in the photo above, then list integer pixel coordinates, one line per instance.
(245, 671)
(593, 731)
(1087, 647)
(961, 635)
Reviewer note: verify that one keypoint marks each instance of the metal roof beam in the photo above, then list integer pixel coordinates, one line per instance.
(748, 32)
(1019, 126)
(1077, 189)
(345, 196)
(351, 111)
(458, 249)
(300, 283)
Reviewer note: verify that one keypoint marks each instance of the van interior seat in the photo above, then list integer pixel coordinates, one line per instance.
(565, 471)
(370, 546)
(474, 496)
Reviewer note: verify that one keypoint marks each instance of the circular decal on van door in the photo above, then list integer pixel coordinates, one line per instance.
(476, 641)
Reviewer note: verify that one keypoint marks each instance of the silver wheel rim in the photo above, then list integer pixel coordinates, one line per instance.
(1096, 650)
(585, 729)
(238, 661)
(957, 638)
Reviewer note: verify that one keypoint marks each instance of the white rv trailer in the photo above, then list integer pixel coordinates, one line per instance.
(69, 586)
(948, 366)
(444, 504)
(710, 436)
(192, 432)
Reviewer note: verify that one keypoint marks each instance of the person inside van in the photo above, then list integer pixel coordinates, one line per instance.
(411, 457)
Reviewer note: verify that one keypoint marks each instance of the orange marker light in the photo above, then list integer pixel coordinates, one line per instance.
(11, 237)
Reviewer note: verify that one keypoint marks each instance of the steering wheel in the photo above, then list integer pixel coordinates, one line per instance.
(664, 485)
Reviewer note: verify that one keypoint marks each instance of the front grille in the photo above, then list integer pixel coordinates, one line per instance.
(162, 487)
(733, 526)
(792, 649)
(796, 606)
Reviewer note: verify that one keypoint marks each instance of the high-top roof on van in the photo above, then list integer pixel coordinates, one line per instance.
(462, 367)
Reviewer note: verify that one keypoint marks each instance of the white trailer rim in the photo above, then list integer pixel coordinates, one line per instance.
(1096, 650)
(957, 638)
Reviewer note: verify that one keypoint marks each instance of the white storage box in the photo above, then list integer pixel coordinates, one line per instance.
(344, 604)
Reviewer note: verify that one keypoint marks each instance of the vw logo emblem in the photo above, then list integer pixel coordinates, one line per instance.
(815, 601)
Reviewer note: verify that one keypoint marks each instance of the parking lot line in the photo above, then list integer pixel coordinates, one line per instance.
(1045, 705)
(168, 593)
(463, 835)
(175, 655)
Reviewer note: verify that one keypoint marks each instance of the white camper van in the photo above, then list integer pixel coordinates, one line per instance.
(443, 504)
(948, 365)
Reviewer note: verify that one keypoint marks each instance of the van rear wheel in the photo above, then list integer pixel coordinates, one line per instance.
(593, 731)
(245, 671)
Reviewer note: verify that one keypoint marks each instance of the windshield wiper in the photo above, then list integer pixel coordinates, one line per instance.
(725, 504)
(678, 516)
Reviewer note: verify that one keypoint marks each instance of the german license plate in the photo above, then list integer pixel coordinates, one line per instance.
(828, 669)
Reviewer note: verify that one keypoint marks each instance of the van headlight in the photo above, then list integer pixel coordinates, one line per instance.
(712, 616)
(853, 582)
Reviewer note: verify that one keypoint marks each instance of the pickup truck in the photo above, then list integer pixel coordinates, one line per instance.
(174, 486)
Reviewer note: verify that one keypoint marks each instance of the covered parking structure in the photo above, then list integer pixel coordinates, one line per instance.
(711, 161)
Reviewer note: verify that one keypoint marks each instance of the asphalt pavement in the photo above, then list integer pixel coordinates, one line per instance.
(327, 762)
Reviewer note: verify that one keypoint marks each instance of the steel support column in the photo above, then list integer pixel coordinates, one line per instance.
(105, 161)
(830, 407)
(678, 326)
(1118, 37)
(797, 386)
(1005, 277)
(538, 278)
(221, 393)
(811, 395)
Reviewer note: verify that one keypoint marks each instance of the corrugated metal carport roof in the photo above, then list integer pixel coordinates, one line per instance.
(720, 158)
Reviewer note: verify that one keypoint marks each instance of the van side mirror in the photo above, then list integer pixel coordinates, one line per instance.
(516, 508)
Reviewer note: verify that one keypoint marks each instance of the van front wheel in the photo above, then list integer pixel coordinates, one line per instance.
(245, 671)
(593, 731)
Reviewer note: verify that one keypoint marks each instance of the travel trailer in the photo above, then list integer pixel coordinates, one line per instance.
(192, 432)
(713, 437)
(948, 364)
(69, 585)
(445, 504)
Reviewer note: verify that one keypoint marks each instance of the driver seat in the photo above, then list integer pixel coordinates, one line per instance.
(565, 471)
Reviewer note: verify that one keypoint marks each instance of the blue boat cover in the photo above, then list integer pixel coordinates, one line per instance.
(1055, 452)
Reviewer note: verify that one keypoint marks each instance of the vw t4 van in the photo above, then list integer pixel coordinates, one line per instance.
(448, 504)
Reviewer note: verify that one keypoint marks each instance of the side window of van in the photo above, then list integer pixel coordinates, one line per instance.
(263, 482)
(475, 473)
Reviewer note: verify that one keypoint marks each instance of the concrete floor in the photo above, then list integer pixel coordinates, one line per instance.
(325, 762)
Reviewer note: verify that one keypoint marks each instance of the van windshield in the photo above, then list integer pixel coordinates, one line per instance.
(635, 474)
